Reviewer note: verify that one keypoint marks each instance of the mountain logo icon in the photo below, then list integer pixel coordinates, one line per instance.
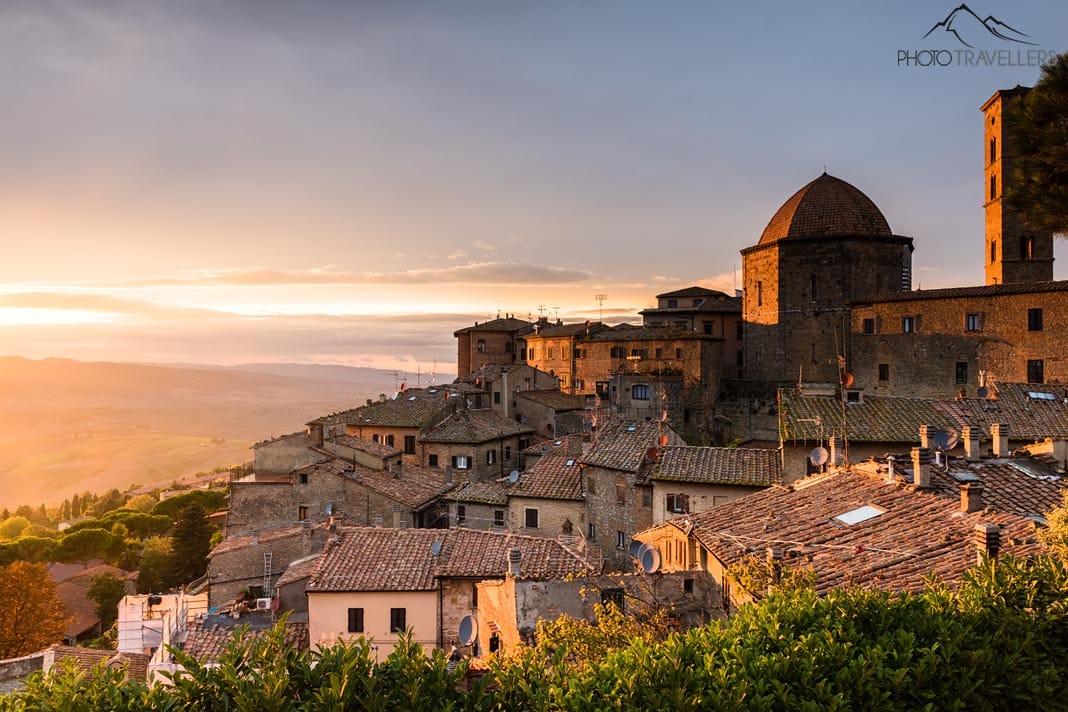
(963, 23)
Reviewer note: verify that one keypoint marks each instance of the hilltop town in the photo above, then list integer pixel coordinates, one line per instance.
(826, 419)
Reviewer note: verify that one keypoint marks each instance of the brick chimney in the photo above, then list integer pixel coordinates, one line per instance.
(925, 435)
(971, 497)
(972, 435)
(1000, 433)
(921, 466)
(987, 541)
(836, 451)
(515, 558)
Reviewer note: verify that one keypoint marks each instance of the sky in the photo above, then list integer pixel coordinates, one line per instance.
(349, 182)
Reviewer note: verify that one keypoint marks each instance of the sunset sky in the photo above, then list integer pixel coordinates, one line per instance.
(349, 182)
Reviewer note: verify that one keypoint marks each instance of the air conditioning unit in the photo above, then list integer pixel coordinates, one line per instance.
(263, 604)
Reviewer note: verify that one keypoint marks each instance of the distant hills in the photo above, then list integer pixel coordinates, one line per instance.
(68, 426)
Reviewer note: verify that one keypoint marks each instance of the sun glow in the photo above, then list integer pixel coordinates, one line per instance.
(37, 316)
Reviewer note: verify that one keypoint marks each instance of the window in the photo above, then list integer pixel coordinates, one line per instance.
(461, 462)
(961, 372)
(908, 324)
(1036, 371)
(409, 444)
(618, 352)
(1027, 247)
(993, 187)
(642, 354)
(852, 396)
(687, 585)
(591, 531)
(672, 304)
(302, 513)
(647, 497)
(621, 494)
(993, 251)
(461, 514)
(530, 518)
(548, 352)
(858, 515)
(868, 326)
(739, 330)
(707, 328)
(389, 440)
(481, 346)
(993, 149)
(398, 620)
(355, 620)
(591, 484)
(972, 322)
(760, 293)
(563, 351)
(491, 457)
(508, 347)
(474, 594)
(498, 517)
(884, 372)
(376, 438)
(496, 398)
(659, 353)
(304, 478)
(640, 391)
(1034, 319)
(579, 385)
(432, 460)
(507, 453)
(678, 503)
(621, 540)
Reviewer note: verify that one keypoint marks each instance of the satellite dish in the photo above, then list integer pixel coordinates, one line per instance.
(468, 630)
(945, 438)
(523, 419)
(513, 476)
(435, 548)
(847, 379)
(982, 392)
(819, 456)
(635, 548)
(649, 559)
(952, 438)
(652, 454)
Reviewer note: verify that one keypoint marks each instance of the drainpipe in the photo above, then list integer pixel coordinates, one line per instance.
(441, 617)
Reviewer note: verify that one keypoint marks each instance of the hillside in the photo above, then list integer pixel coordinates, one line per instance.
(68, 426)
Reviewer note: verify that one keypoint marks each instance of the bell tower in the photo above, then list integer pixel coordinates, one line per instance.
(1013, 252)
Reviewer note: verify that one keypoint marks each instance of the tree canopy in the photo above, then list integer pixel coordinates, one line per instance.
(1038, 191)
(33, 616)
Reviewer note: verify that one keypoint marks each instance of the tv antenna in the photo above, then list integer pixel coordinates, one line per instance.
(600, 305)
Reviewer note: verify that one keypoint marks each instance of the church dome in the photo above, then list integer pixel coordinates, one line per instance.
(827, 206)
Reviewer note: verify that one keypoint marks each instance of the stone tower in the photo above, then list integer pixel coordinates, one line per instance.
(828, 245)
(1013, 253)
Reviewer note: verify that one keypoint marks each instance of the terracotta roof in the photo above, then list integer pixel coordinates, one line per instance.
(85, 659)
(692, 292)
(877, 419)
(209, 636)
(554, 476)
(235, 543)
(412, 408)
(719, 465)
(917, 534)
(559, 330)
(623, 445)
(1028, 418)
(1018, 486)
(414, 487)
(498, 324)
(474, 426)
(298, 570)
(376, 559)
(81, 610)
(826, 206)
(555, 399)
(368, 446)
(650, 333)
(986, 290)
(488, 492)
(566, 445)
(729, 305)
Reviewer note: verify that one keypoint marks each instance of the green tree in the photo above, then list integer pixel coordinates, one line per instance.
(33, 548)
(190, 545)
(1055, 535)
(75, 507)
(113, 499)
(209, 500)
(64, 511)
(85, 544)
(1039, 144)
(33, 616)
(141, 503)
(12, 527)
(153, 574)
(106, 591)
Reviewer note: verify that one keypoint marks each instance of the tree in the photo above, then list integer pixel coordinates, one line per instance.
(141, 503)
(106, 591)
(1038, 191)
(75, 507)
(1055, 535)
(13, 527)
(154, 565)
(190, 545)
(64, 510)
(209, 501)
(85, 544)
(33, 616)
(112, 500)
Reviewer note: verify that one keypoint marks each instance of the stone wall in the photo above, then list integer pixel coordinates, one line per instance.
(614, 503)
(231, 572)
(552, 513)
(284, 454)
(505, 457)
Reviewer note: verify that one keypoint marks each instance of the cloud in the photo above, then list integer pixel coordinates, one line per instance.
(457, 255)
(475, 273)
(484, 246)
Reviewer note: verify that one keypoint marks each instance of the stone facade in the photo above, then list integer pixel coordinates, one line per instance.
(284, 454)
(617, 507)
(550, 516)
(238, 563)
(496, 342)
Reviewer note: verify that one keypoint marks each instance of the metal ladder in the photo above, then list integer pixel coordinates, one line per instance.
(267, 575)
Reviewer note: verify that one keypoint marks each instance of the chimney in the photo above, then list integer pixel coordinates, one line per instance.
(925, 435)
(1000, 433)
(971, 497)
(987, 541)
(448, 474)
(396, 509)
(921, 466)
(836, 451)
(891, 476)
(397, 468)
(972, 436)
(515, 558)
(369, 401)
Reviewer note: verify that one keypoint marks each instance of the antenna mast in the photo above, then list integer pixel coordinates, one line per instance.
(600, 305)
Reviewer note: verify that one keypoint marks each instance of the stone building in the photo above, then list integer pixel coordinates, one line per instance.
(479, 505)
(496, 342)
(475, 444)
(706, 311)
(241, 564)
(688, 480)
(547, 499)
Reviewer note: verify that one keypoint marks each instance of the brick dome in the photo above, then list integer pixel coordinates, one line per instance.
(827, 206)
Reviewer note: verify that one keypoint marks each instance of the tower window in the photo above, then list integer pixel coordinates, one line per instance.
(760, 293)
(993, 150)
(868, 326)
(993, 251)
(1027, 247)
(973, 322)
(1036, 372)
(961, 375)
(993, 187)
(908, 324)
(884, 372)
(1034, 322)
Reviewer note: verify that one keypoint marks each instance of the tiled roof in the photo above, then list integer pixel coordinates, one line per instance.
(414, 487)
(85, 659)
(474, 426)
(376, 559)
(566, 445)
(986, 290)
(622, 445)
(368, 446)
(279, 438)
(918, 533)
(554, 476)
(297, 570)
(210, 636)
(555, 399)
(691, 292)
(826, 206)
(729, 305)
(719, 465)
(649, 333)
(412, 408)
(877, 419)
(235, 543)
(81, 610)
(498, 324)
(562, 330)
(1028, 418)
(488, 492)
(1018, 485)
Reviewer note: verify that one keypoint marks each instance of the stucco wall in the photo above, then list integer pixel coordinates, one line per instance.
(328, 617)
